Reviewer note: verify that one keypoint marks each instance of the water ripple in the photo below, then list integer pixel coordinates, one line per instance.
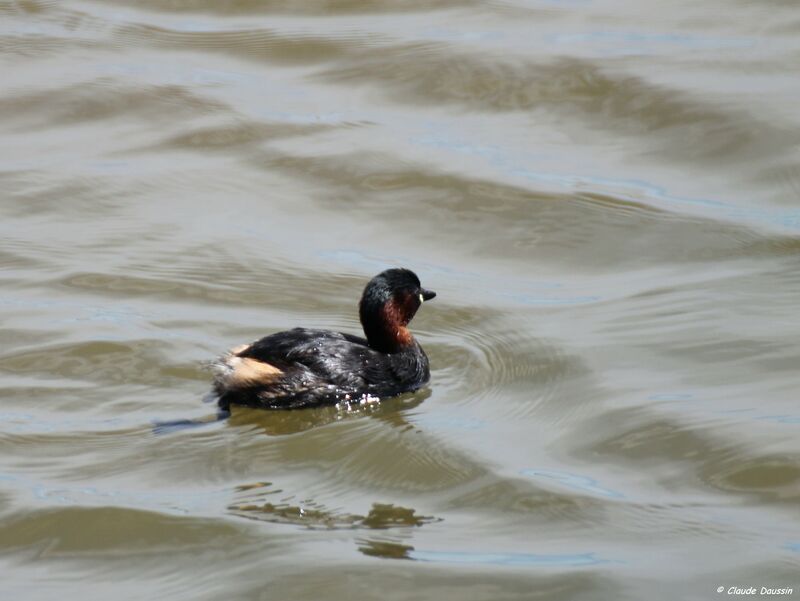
(509, 559)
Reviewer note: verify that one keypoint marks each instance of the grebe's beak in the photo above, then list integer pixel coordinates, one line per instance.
(426, 294)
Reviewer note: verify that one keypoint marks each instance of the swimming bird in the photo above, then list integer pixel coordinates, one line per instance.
(308, 367)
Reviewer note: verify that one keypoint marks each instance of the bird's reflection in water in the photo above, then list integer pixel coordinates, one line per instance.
(265, 502)
(309, 514)
(275, 422)
(385, 549)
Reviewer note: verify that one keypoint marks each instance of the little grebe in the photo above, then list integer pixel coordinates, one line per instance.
(306, 368)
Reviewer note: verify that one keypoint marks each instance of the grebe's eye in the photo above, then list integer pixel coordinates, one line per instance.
(421, 298)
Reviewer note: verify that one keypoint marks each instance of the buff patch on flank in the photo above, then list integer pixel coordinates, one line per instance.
(245, 371)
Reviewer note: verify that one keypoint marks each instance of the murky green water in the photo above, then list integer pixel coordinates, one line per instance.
(605, 194)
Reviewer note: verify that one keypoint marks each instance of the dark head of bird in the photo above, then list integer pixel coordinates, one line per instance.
(389, 302)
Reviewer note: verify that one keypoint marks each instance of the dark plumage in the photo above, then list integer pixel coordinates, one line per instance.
(305, 368)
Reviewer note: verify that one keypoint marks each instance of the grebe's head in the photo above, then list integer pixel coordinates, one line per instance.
(389, 302)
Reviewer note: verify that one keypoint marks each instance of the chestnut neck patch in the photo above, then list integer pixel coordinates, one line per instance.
(394, 316)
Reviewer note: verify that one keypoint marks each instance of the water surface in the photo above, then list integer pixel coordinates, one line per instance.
(604, 194)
